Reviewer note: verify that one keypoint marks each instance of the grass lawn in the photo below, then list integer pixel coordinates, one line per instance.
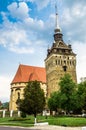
(29, 121)
(24, 122)
(67, 121)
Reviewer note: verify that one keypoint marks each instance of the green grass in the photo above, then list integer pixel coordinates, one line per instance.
(29, 121)
(67, 121)
(24, 122)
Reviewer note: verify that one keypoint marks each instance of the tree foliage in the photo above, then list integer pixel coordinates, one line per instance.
(4, 105)
(70, 97)
(53, 102)
(67, 90)
(34, 100)
(81, 95)
(65, 98)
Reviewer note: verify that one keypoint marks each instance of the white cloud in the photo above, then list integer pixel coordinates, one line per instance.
(19, 36)
(5, 88)
(22, 50)
(74, 13)
(19, 11)
(34, 24)
(15, 39)
(73, 21)
(80, 49)
(40, 3)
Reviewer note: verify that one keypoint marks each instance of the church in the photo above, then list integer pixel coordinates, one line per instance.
(24, 74)
(60, 60)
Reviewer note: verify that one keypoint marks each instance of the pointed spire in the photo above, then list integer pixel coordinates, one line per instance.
(57, 27)
(58, 34)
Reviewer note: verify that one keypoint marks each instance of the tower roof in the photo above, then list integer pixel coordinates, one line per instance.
(57, 31)
(27, 73)
(59, 46)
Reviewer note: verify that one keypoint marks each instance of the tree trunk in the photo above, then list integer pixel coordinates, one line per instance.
(35, 119)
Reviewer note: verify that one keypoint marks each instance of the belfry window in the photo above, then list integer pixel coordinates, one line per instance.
(68, 58)
(56, 62)
(68, 62)
(65, 68)
(61, 62)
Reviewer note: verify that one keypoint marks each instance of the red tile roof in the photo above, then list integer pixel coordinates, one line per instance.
(27, 73)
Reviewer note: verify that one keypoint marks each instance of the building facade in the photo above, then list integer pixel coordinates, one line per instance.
(59, 61)
(23, 75)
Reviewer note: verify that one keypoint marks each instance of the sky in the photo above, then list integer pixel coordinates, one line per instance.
(26, 31)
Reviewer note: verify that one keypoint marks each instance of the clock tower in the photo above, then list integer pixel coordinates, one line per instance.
(59, 61)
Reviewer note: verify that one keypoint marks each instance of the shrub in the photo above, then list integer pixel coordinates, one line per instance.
(23, 115)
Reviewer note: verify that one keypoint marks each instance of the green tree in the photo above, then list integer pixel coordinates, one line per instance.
(81, 96)
(34, 100)
(5, 105)
(67, 90)
(53, 101)
(0, 105)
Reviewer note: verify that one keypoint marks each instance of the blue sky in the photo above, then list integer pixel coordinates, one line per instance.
(26, 31)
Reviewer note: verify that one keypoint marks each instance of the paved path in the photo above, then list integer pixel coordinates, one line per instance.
(43, 127)
(49, 127)
(15, 128)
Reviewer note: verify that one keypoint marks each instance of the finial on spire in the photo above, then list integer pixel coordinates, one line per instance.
(57, 27)
(56, 15)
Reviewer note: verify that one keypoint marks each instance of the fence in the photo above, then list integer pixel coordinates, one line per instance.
(5, 113)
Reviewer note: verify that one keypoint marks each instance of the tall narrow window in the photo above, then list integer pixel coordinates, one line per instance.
(56, 62)
(18, 100)
(61, 62)
(18, 95)
(68, 62)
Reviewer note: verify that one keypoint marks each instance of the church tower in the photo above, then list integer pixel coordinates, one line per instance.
(59, 61)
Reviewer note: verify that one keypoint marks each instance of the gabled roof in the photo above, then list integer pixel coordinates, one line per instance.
(27, 73)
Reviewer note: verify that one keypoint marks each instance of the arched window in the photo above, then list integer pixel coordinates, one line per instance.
(65, 68)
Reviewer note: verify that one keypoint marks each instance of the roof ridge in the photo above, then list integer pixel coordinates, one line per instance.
(32, 66)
